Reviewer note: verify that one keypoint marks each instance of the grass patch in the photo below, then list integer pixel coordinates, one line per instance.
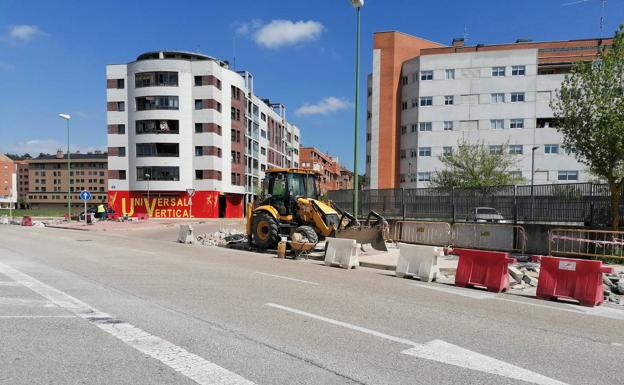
(44, 212)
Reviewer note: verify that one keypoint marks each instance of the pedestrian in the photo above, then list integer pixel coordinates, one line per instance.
(101, 212)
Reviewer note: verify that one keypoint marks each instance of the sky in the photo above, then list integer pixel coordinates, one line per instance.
(53, 54)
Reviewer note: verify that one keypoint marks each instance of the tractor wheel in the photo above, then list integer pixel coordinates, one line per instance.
(308, 233)
(265, 231)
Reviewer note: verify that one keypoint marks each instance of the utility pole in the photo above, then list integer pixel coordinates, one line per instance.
(67, 117)
(357, 4)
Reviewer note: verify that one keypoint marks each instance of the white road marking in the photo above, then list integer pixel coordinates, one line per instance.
(470, 293)
(37, 316)
(616, 344)
(25, 302)
(188, 364)
(8, 283)
(444, 352)
(601, 311)
(288, 278)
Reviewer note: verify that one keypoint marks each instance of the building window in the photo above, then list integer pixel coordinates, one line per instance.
(498, 97)
(424, 151)
(516, 123)
(121, 106)
(517, 97)
(235, 113)
(402, 154)
(567, 175)
(413, 153)
(496, 149)
(152, 126)
(497, 124)
(448, 125)
(199, 151)
(448, 100)
(551, 149)
(121, 83)
(424, 126)
(498, 71)
(263, 150)
(450, 74)
(404, 80)
(198, 82)
(516, 149)
(199, 128)
(121, 128)
(160, 79)
(424, 176)
(145, 103)
(426, 101)
(161, 150)
(414, 102)
(414, 127)
(426, 75)
(518, 70)
(447, 150)
(163, 173)
(403, 130)
(199, 104)
(122, 151)
(403, 106)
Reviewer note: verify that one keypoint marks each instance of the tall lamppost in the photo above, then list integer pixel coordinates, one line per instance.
(67, 117)
(147, 176)
(532, 177)
(357, 4)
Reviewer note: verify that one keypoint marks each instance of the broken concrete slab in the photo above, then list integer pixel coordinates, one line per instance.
(515, 273)
(532, 281)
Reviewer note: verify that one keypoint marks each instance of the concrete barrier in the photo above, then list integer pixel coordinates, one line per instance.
(186, 234)
(424, 233)
(342, 252)
(489, 236)
(418, 261)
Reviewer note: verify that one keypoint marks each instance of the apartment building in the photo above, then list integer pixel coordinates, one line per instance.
(22, 183)
(345, 180)
(325, 165)
(424, 97)
(179, 121)
(8, 182)
(47, 179)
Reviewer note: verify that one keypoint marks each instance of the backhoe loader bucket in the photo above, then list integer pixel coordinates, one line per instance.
(372, 231)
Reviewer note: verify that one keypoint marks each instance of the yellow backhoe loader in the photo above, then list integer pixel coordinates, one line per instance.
(290, 204)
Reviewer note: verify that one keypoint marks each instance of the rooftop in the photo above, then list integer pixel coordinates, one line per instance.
(74, 156)
(179, 55)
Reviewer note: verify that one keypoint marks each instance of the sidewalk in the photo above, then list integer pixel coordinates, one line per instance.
(388, 260)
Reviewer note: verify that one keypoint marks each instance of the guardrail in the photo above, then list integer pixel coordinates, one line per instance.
(586, 243)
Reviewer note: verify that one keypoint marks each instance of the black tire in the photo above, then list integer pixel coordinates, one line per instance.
(265, 232)
(307, 232)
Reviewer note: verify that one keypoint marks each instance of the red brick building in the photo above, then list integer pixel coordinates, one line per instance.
(333, 175)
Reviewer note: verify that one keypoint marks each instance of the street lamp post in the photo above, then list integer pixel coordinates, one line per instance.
(148, 194)
(357, 4)
(67, 117)
(532, 178)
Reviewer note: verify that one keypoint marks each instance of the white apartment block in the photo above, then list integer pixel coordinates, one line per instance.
(485, 94)
(180, 121)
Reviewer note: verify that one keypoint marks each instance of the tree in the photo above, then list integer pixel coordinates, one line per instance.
(474, 165)
(589, 109)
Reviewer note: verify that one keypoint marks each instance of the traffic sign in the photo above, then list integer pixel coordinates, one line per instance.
(190, 192)
(85, 195)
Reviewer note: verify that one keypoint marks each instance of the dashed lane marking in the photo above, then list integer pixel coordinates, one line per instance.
(188, 364)
(470, 293)
(25, 302)
(288, 278)
(441, 351)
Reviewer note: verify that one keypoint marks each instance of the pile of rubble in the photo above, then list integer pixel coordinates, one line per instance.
(222, 237)
(523, 275)
(614, 287)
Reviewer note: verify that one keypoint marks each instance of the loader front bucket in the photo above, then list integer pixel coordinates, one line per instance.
(372, 231)
(364, 235)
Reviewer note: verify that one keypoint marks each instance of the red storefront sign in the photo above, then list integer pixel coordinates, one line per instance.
(175, 204)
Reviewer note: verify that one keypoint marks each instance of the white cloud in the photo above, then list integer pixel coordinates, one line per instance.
(24, 33)
(323, 107)
(279, 33)
(247, 27)
(48, 146)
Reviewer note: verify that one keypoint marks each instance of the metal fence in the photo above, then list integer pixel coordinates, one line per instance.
(581, 243)
(586, 203)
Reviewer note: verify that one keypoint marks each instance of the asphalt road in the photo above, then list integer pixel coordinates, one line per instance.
(101, 308)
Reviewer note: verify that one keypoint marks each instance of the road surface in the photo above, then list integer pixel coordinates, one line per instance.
(100, 308)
